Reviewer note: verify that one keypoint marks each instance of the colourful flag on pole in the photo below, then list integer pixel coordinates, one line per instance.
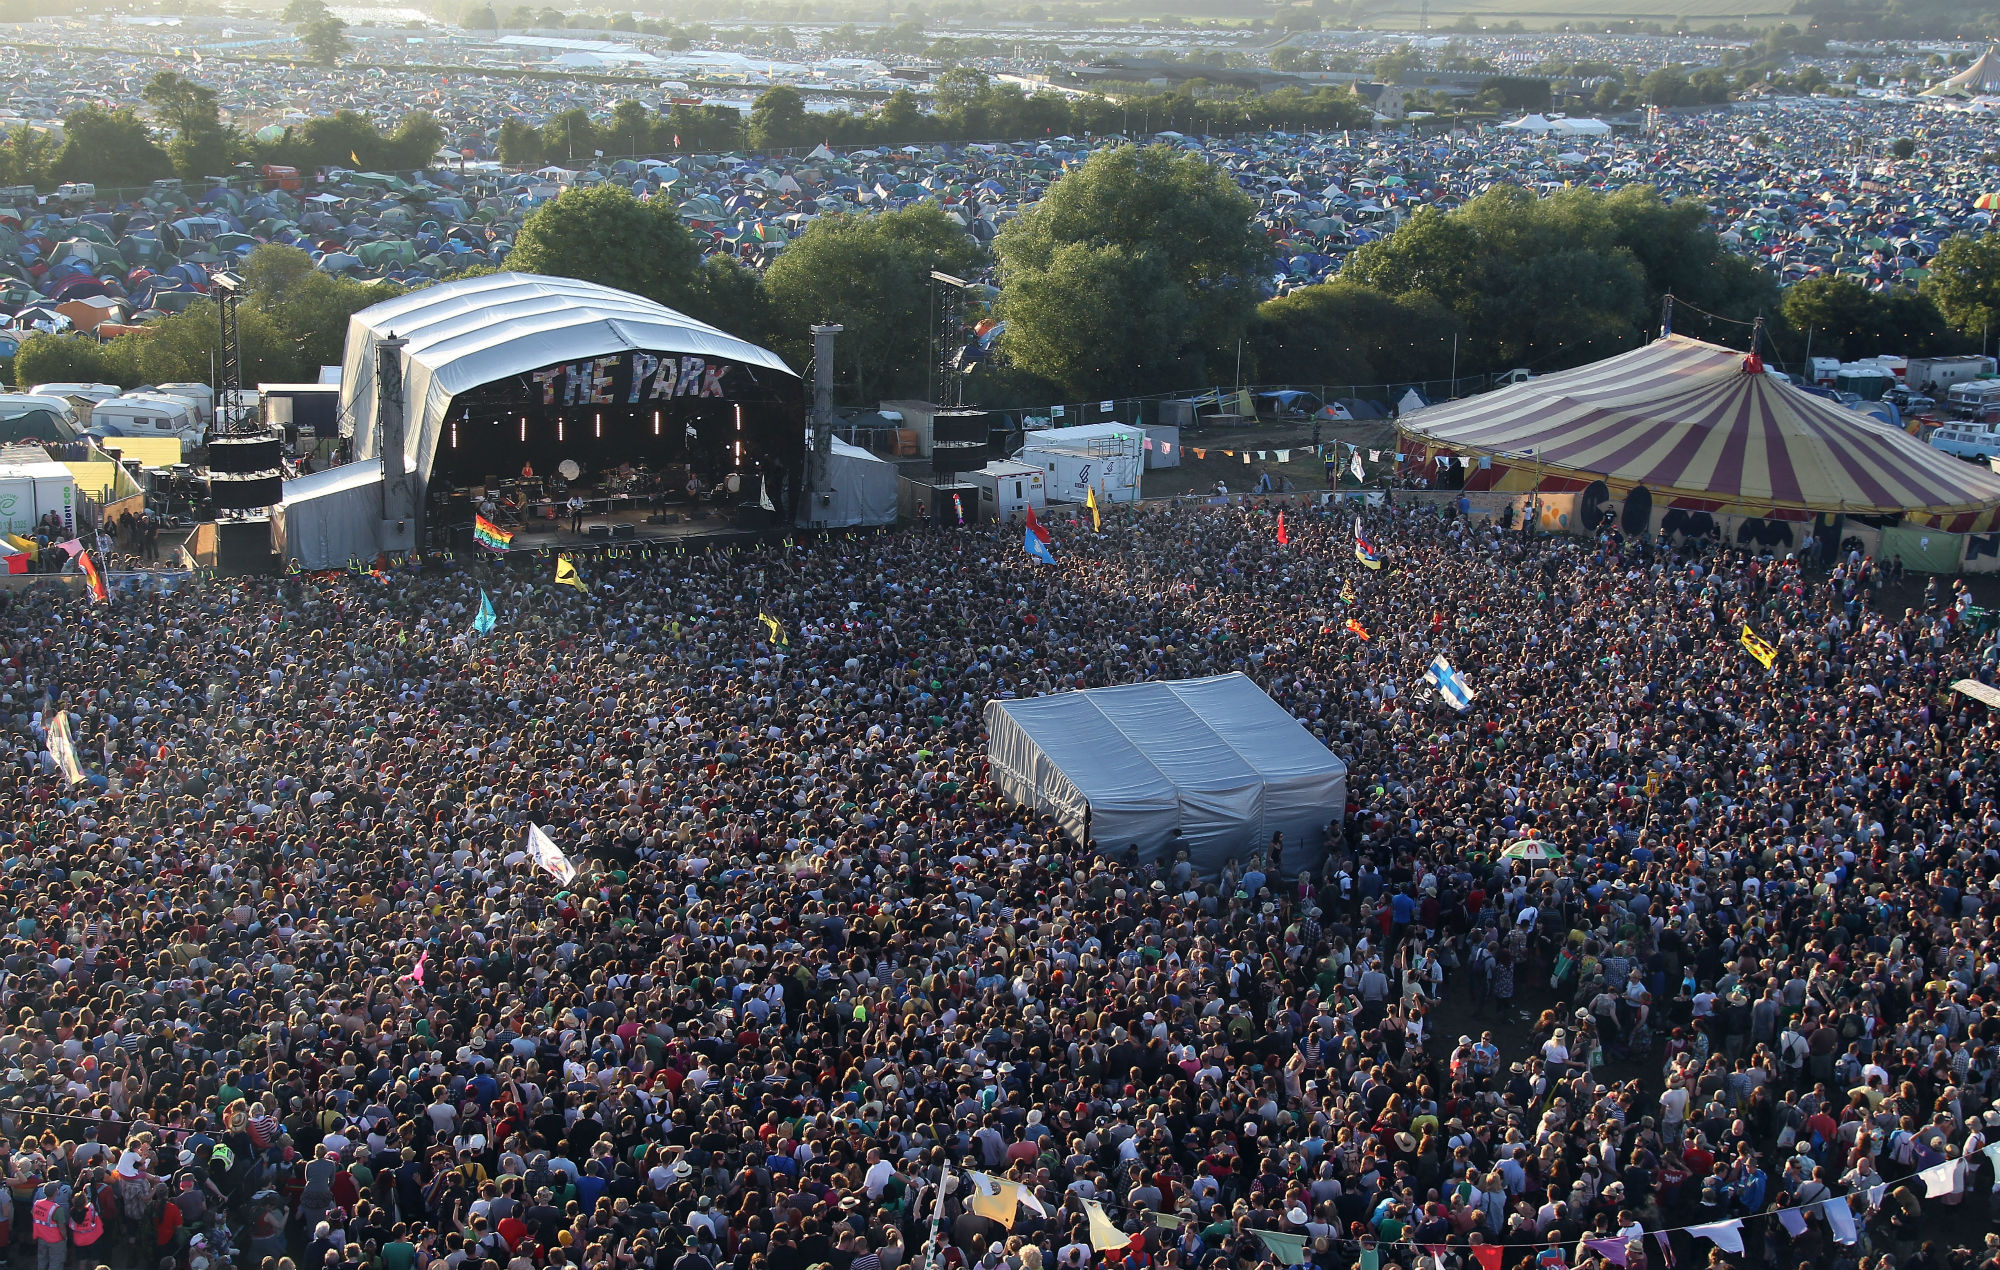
(488, 534)
(1096, 520)
(1283, 538)
(1035, 526)
(1354, 625)
(1757, 648)
(1037, 548)
(89, 567)
(486, 619)
(548, 857)
(774, 630)
(1364, 550)
(63, 750)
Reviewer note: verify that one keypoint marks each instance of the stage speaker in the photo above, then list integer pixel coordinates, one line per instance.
(751, 516)
(244, 546)
(246, 491)
(948, 458)
(598, 531)
(961, 425)
(624, 529)
(242, 455)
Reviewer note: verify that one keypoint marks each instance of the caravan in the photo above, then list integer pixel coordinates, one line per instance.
(148, 415)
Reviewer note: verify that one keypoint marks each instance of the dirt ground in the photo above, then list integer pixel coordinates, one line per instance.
(1223, 453)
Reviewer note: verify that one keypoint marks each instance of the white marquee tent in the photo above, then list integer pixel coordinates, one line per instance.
(1213, 758)
(460, 335)
(863, 493)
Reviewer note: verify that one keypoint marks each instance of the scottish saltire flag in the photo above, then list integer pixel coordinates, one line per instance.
(1364, 550)
(488, 534)
(1456, 692)
(1035, 548)
(485, 620)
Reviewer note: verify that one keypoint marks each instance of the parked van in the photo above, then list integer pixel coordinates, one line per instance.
(1967, 440)
(1974, 400)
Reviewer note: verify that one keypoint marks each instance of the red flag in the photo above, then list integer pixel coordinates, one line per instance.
(1035, 527)
(1354, 624)
(1282, 537)
(89, 567)
(1488, 1255)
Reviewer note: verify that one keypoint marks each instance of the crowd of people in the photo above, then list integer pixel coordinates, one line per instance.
(283, 987)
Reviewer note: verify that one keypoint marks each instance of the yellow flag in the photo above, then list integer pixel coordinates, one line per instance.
(992, 1199)
(1096, 521)
(774, 629)
(566, 575)
(357, 158)
(1757, 648)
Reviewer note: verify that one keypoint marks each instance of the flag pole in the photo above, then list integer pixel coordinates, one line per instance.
(932, 1258)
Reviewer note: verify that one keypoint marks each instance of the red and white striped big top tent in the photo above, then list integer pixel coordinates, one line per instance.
(1702, 427)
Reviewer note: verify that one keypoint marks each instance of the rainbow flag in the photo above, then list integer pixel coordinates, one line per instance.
(488, 534)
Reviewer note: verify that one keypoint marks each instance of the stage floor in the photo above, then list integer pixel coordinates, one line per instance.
(721, 528)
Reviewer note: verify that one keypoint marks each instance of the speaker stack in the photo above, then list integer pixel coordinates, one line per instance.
(245, 480)
(961, 441)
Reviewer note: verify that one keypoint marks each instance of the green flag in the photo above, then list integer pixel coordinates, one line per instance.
(1288, 1249)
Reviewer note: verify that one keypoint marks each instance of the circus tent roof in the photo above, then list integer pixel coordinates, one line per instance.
(1686, 419)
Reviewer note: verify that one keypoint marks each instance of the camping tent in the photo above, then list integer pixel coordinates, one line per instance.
(864, 491)
(1214, 759)
(1701, 427)
(1528, 123)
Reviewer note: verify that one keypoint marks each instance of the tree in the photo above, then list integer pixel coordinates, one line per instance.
(778, 119)
(1563, 279)
(1343, 332)
(520, 143)
(602, 234)
(1964, 284)
(109, 147)
(872, 275)
(47, 359)
(182, 105)
(1134, 271)
(181, 348)
(27, 156)
(480, 17)
(325, 39)
(1514, 93)
(1667, 86)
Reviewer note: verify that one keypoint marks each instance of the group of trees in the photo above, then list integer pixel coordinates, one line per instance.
(968, 105)
(292, 321)
(117, 149)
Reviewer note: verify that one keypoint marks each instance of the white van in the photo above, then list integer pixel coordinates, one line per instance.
(148, 415)
(1967, 440)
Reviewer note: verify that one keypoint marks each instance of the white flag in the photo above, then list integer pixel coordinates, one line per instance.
(549, 857)
(1728, 1235)
(1940, 1179)
(1840, 1216)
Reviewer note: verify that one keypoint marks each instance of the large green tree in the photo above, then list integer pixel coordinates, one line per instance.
(603, 234)
(109, 147)
(1564, 279)
(1964, 283)
(871, 274)
(778, 119)
(1136, 272)
(201, 146)
(1341, 332)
